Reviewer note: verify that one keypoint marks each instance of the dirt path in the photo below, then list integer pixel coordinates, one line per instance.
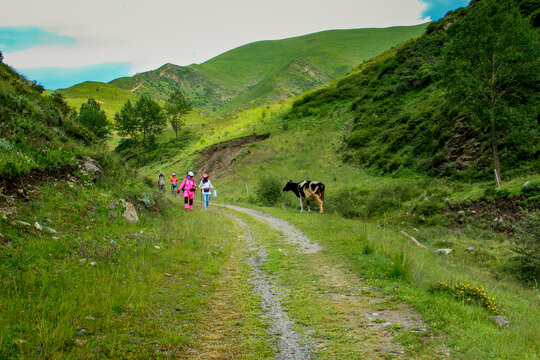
(370, 321)
(291, 344)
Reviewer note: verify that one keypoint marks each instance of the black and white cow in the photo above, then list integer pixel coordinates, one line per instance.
(307, 190)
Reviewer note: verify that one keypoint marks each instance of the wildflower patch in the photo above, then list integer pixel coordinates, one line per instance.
(469, 294)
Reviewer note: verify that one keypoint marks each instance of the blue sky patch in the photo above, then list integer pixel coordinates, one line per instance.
(54, 78)
(18, 38)
(436, 9)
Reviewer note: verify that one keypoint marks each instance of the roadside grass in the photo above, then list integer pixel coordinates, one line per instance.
(471, 334)
(100, 286)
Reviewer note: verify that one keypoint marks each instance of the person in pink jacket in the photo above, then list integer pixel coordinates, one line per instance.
(188, 187)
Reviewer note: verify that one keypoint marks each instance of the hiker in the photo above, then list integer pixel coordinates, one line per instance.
(188, 187)
(207, 188)
(174, 184)
(161, 182)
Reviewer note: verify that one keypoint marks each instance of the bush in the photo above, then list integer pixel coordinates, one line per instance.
(268, 191)
(526, 263)
(531, 189)
(469, 294)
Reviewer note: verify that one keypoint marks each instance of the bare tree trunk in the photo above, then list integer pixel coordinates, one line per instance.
(495, 148)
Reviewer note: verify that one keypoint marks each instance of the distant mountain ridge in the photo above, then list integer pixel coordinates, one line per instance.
(267, 71)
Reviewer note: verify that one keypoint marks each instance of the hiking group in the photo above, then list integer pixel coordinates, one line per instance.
(187, 186)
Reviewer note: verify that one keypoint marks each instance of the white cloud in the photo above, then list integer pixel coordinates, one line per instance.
(151, 33)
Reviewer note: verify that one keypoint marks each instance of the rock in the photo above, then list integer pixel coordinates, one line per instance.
(49, 229)
(37, 226)
(130, 214)
(82, 331)
(93, 168)
(500, 320)
(444, 251)
(471, 249)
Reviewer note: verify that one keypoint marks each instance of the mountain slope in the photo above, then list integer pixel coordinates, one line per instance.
(265, 71)
(111, 98)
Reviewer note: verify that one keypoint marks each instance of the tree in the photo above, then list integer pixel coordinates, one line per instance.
(94, 119)
(128, 124)
(493, 52)
(177, 106)
(151, 118)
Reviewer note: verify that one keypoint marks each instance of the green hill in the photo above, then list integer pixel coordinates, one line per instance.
(111, 98)
(36, 133)
(266, 71)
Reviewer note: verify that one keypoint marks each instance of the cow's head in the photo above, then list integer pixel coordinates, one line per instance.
(289, 186)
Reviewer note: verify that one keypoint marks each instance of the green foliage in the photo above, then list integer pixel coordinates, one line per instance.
(399, 267)
(402, 119)
(177, 106)
(526, 262)
(493, 54)
(94, 119)
(269, 191)
(469, 294)
(36, 133)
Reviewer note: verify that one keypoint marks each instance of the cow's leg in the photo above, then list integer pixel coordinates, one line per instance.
(301, 205)
(307, 204)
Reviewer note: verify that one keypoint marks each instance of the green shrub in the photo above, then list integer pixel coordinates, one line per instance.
(469, 294)
(268, 191)
(526, 263)
(530, 189)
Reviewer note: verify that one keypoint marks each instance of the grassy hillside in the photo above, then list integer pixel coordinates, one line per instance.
(403, 116)
(266, 71)
(35, 131)
(110, 98)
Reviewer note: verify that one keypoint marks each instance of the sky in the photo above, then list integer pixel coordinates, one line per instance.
(60, 43)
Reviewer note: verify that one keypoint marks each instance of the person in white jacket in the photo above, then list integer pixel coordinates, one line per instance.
(206, 187)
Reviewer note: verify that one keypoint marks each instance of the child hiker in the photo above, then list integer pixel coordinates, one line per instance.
(188, 187)
(161, 182)
(206, 187)
(174, 184)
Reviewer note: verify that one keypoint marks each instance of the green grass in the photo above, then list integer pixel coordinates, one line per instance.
(110, 98)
